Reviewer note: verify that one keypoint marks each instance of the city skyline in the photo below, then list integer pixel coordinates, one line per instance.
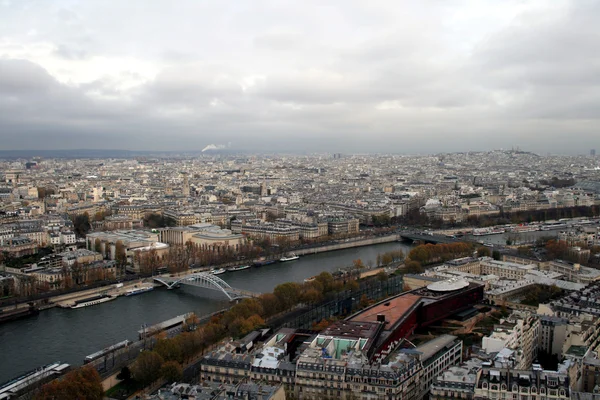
(300, 77)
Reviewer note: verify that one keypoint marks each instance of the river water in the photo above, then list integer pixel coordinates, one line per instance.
(69, 335)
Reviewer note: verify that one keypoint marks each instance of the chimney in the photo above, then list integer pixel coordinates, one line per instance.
(380, 318)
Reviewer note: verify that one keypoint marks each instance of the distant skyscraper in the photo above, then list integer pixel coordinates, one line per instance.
(593, 152)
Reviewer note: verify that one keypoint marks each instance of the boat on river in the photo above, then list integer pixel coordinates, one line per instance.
(94, 300)
(218, 271)
(291, 257)
(140, 290)
(522, 228)
(239, 268)
(262, 262)
(488, 231)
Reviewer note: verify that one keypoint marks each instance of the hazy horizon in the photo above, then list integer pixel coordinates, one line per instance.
(300, 76)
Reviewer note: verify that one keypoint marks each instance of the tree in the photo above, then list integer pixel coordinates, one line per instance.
(120, 255)
(364, 301)
(171, 371)
(146, 368)
(82, 383)
(381, 220)
(77, 273)
(351, 285)
(386, 259)
(168, 349)
(270, 303)
(483, 251)
(81, 224)
(325, 279)
(311, 296)
(382, 276)
(189, 345)
(125, 374)
(157, 221)
(496, 255)
(413, 267)
(556, 249)
(288, 294)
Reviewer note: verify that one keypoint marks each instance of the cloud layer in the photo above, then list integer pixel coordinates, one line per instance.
(294, 76)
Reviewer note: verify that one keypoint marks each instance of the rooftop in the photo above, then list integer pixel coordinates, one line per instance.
(393, 310)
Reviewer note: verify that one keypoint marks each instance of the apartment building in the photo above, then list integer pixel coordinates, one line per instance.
(273, 231)
(457, 382)
(19, 246)
(504, 269)
(521, 384)
(573, 272)
(515, 338)
(334, 363)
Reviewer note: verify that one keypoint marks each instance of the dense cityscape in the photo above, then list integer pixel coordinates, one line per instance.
(488, 287)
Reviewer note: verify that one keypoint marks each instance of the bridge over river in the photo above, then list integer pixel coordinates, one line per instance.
(205, 280)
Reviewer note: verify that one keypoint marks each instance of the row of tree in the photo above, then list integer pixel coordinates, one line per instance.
(432, 253)
(389, 257)
(81, 383)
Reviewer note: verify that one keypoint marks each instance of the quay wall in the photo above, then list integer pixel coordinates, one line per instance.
(347, 245)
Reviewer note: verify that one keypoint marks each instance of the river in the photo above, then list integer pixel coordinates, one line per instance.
(69, 335)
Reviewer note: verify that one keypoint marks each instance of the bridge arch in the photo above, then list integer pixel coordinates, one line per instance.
(202, 279)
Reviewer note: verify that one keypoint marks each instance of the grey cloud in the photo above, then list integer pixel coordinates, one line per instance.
(400, 88)
(21, 77)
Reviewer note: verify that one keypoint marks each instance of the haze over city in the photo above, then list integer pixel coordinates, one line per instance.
(300, 76)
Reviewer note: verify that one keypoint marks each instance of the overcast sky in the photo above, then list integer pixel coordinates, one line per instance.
(291, 76)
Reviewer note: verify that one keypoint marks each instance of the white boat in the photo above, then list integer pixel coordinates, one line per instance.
(92, 301)
(134, 291)
(291, 257)
(550, 227)
(239, 268)
(218, 271)
(525, 228)
(487, 231)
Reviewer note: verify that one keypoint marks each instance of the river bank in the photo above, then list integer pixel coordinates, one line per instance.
(70, 335)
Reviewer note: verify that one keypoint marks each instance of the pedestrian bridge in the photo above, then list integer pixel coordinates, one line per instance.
(205, 280)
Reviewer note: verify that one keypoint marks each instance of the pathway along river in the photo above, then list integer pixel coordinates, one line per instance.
(69, 335)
